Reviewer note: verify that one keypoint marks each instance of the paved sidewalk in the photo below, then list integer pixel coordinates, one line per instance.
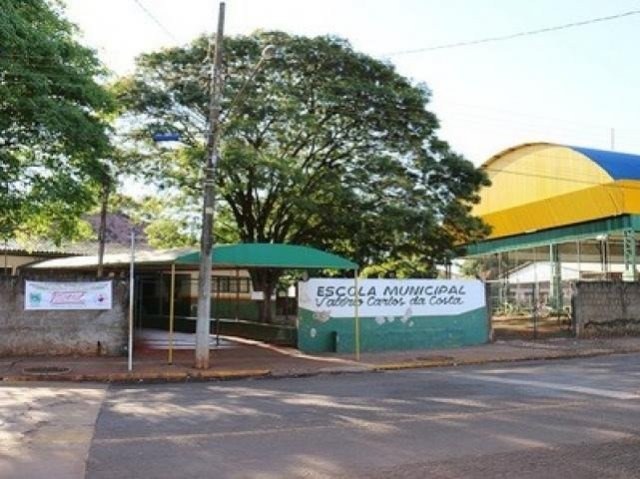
(46, 428)
(251, 359)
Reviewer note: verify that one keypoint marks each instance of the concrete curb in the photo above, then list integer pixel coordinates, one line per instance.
(414, 365)
(137, 377)
(472, 362)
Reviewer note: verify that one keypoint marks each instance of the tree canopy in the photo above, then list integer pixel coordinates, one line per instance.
(326, 147)
(51, 135)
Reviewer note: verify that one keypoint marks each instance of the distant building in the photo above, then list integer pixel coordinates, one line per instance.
(14, 255)
(525, 280)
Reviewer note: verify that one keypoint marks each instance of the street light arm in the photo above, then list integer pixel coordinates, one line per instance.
(267, 54)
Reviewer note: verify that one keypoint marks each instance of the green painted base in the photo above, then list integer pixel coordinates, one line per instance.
(392, 334)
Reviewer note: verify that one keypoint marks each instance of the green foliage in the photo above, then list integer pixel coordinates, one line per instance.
(165, 233)
(489, 267)
(327, 147)
(50, 133)
(166, 225)
(401, 268)
(473, 268)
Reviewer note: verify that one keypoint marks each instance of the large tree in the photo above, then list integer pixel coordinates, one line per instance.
(51, 136)
(326, 147)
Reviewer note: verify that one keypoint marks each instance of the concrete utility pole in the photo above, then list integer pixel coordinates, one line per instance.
(102, 229)
(206, 240)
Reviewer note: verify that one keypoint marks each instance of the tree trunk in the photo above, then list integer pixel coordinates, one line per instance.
(102, 230)
(265, 280)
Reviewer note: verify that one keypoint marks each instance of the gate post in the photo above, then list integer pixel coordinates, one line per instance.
(556, 277)
(629, 242)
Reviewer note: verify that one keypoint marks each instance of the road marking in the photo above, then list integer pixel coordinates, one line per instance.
(401, 418)
(608, 393)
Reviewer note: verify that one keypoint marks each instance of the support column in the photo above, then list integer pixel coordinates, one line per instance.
(629, 244)
(578, 251)
(555, 286)
(504, 282)
(500, 281)
(172, 298)
(604, 255)
(356, 307)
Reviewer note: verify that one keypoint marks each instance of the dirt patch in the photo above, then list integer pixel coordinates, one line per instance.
(524, 327)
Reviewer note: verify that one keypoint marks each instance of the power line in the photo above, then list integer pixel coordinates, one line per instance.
(543, 176)
(453, 105)
(495, 114)
(156, 21)
(574, 180)
(515, 35)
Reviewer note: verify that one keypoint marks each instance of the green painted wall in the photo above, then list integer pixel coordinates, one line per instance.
(225, 308)
(434, 332)
(270, 333)
(220, 308)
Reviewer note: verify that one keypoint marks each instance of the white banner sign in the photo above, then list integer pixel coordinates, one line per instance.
(390, 297)
(77, 295)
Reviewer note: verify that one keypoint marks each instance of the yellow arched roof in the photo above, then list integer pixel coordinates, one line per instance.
(543, 185)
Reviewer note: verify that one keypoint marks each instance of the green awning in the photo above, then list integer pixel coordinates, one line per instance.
(267, 255)
(243, 255)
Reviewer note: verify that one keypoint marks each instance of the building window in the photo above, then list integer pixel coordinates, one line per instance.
(244, 284)
(220, 284)
(226, 284)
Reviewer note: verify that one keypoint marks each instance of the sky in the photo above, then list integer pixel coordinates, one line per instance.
(571, 86)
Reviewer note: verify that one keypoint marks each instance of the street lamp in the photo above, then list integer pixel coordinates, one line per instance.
(268, 53)
(206, 238)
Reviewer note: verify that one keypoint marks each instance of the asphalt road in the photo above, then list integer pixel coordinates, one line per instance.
(568, 419)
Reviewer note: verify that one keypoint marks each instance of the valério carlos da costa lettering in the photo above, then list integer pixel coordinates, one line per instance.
(67, 295)
(331, 296)
(418, 297)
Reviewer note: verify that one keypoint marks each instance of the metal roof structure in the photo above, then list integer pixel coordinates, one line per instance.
(553, 204)
(562, 202)
(620, 166)
(243, 255)
(44, 248)
(35, 248)
(537, 187)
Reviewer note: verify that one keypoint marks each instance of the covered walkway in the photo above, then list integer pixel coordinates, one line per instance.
(166, 286)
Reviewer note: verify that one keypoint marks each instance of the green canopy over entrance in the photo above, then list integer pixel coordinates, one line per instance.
(242, 255)
(267, 255)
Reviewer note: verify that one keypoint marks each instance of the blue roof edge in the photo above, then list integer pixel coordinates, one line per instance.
(620, 166)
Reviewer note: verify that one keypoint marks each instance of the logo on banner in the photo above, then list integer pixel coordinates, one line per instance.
(35, 299)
